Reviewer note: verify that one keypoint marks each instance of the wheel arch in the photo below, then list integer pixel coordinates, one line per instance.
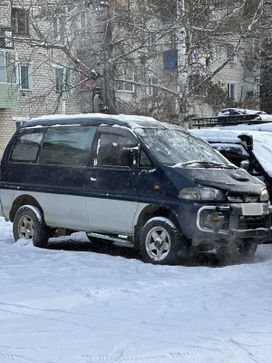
(152, 210)
(22, 200)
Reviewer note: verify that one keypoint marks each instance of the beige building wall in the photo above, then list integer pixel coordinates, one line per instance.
(42, 97)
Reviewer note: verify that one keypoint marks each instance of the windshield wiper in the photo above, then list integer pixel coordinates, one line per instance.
(207, 164)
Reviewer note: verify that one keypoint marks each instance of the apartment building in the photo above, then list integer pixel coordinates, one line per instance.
(135, 56)
(34, 78)
(169, 55)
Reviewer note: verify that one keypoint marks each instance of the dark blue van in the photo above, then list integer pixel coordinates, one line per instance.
(131, 180)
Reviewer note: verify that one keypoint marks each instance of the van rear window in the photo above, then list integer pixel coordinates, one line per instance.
(27, 147)
(67, 145)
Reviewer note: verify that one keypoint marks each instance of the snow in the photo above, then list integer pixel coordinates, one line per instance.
(262, 142)
(239, 111)
(78, 306)
(133, 120)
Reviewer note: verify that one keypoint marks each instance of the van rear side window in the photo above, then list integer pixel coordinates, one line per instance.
(67, 145)
(27, 147)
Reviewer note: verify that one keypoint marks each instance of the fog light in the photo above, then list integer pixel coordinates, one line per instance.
(215, 220)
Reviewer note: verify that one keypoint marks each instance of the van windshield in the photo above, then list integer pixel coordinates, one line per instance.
(176, 147)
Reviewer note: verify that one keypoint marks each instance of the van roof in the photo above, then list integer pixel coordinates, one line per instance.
(131, 121)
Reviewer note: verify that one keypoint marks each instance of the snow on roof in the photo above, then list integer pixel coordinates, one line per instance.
(262, 142)
(239, 111)
(131, 120)
(267, 126)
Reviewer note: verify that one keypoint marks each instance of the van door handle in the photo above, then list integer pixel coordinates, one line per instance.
(93, 179)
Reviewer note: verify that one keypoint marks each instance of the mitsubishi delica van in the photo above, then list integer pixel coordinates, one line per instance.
(131, 180)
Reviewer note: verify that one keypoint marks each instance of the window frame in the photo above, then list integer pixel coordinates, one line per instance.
(72, 165)
(5, 67)
(20, 134)
(124, 70)
(95, 148)
(16, 17)
(29, 76)
(65, 85)
(233, 84)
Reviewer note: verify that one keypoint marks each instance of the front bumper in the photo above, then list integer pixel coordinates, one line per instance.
(233, 223)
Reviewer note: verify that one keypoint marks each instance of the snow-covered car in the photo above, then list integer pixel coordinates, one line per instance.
(239, 111)
(249, 149)
(131, 180)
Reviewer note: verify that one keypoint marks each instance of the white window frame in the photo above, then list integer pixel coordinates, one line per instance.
(29, 75)
(15, 66)
(64, 79)
(235, 90)
(122, 88)
(152, 89)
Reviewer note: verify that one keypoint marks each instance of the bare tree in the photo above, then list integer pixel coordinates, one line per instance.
(152, 57)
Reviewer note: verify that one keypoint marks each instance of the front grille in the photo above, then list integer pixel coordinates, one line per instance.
(242, 198)
(252, 222)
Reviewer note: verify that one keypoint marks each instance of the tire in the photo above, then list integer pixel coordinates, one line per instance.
(29, 224)
(161, 242)
(236, 253)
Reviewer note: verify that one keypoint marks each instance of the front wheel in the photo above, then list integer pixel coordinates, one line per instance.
(161, 242)
(29, 224)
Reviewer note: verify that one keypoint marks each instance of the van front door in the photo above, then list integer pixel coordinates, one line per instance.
(111, 198)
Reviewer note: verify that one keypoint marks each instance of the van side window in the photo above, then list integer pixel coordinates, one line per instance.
(27, 147)
(145, 162)
(114, 149)
(67, 145)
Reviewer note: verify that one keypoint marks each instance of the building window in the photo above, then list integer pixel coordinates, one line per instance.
(232, 91)
(127, 74)
(20, 21)
(59, 24)
(25, 77)
(153, 91)
(170, 59)
(63, 83)
(230, 53)
(8, 72)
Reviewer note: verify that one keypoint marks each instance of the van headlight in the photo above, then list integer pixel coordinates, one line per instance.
(264, 195)
(202, 194)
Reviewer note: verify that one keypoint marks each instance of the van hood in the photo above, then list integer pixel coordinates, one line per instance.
(233, 180)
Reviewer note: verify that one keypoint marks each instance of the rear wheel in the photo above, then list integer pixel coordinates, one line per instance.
(161, 242)
(28, 224)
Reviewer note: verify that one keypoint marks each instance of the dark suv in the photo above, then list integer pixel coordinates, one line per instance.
(130, 180)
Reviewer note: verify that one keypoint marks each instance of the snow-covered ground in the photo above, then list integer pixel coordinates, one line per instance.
(78, 306)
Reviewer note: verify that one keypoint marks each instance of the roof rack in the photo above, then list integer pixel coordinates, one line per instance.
(226, 120)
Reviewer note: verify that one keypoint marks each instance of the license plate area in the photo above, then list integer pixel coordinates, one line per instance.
(252, 209)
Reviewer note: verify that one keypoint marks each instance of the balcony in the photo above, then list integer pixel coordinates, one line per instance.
(9, 95)
(9, 87)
